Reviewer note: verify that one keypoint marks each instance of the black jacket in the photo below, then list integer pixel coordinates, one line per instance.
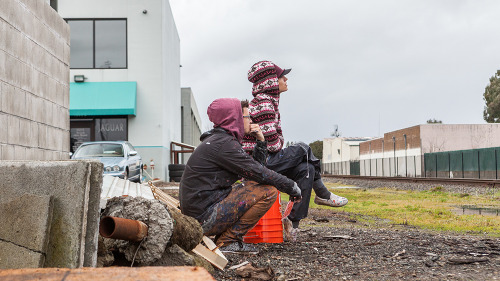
(214, 166)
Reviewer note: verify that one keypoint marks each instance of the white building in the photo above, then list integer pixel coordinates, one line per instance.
(191, 121)
(125, 75)
(341, 155)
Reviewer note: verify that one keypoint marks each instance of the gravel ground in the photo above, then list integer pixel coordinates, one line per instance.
(333, 246)
(367, 183)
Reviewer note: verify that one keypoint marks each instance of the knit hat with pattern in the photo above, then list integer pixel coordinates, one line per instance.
(264, 77)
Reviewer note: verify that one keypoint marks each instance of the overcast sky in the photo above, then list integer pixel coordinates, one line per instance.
(369, 67)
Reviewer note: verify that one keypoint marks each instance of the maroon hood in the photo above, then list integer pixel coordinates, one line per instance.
(226, 113)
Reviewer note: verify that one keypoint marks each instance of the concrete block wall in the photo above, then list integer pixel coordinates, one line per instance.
(70, 191)
(34, 81)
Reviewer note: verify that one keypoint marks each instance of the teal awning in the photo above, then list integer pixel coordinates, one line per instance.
(102, 98)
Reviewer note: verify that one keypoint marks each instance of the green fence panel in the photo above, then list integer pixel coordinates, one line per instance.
(471, 162)
(442, 162)
(487, 159)
(456, 160)
(497, 152)
(355, 167)
(430, 162)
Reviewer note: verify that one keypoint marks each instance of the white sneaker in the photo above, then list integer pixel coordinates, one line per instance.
(333, 201)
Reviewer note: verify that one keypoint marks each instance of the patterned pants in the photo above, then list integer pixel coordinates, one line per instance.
(240, 211)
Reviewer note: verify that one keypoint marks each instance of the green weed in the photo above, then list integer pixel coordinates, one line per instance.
(431, 209)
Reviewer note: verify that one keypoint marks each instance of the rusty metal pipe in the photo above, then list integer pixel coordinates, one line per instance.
(123, 229)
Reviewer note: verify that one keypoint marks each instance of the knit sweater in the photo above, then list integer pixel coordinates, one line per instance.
(264, 107)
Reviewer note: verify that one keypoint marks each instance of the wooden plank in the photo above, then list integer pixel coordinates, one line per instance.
(211, 246)
(219, 261)
(167, 273)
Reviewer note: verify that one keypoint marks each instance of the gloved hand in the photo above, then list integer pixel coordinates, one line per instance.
(295, 194)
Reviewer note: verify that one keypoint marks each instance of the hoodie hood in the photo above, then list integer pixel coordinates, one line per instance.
(226, 113)
(264, 77)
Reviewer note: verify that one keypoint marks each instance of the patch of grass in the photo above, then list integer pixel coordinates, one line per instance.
(431, 209)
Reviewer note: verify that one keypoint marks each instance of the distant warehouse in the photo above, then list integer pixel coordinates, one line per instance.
(434, 150)
(341, 155)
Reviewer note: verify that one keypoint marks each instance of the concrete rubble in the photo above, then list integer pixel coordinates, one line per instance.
(154, 215)
(52, 213)
(170, 239)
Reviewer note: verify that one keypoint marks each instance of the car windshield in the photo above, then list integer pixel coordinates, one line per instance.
(100, 150)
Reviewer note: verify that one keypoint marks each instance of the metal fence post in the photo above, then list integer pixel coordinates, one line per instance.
(496, 167)
(478, 165)
(462, 154)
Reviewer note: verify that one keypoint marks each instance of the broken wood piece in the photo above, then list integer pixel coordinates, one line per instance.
(218, 246)
(338, 237)
(212, 247)
(467, 260)
(218, 261)
(399, 253)
(238, 265)
(255, 273)
(164, 197)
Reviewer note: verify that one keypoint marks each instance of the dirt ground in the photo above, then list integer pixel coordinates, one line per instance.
(334, 245)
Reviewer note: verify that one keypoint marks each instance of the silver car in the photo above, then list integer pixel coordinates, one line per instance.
(120, 159)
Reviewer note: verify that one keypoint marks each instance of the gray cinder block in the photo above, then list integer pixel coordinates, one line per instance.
(19, 152)
(3, 129)
(24, 126)
(27, 220)
(8, 152)
(2, 60)
(3, 25)
(11, 256)
(70, 185)
(92, 234)
(13, 127)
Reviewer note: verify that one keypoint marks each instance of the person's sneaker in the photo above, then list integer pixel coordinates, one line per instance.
(240, 248)
(333, 201)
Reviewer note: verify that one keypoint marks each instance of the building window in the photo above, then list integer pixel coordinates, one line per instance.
(83, 129)
(98, 43)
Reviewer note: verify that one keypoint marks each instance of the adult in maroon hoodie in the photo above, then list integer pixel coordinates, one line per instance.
(206, 187)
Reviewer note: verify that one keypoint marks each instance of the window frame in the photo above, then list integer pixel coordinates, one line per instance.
(92, 121)
(94, 43)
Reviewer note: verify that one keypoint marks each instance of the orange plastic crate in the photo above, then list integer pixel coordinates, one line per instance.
(269, 229)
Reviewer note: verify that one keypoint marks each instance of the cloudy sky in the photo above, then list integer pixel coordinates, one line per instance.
(367, 66)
